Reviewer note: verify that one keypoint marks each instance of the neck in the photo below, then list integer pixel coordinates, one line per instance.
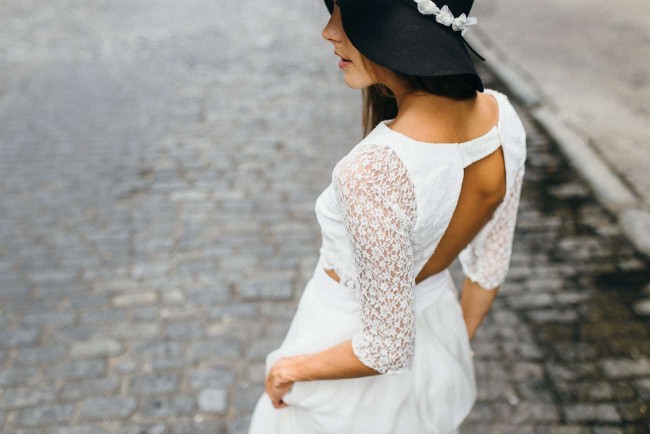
(422, 105)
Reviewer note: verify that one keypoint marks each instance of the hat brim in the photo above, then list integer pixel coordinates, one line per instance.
(400, 38)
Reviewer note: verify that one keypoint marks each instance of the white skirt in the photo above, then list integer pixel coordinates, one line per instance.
(434, 397)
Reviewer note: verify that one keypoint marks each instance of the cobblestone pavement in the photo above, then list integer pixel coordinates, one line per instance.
(160, 162)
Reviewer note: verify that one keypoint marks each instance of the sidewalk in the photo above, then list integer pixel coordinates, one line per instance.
(584, 73)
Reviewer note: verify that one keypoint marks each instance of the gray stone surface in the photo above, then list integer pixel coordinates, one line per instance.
(160, 162)
(573, 54)
(594, 118)
(213, 400)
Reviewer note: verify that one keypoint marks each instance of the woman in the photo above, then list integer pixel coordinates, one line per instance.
(379, 343)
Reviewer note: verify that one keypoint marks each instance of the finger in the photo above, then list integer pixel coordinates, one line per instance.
(279, 403)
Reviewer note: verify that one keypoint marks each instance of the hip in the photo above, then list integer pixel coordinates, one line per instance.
(435, 395)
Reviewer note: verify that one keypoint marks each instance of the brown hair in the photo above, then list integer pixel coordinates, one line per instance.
(379, 102)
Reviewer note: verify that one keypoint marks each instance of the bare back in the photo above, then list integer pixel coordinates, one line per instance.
(482, 190)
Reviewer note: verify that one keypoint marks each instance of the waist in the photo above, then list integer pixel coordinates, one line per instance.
(425, 292)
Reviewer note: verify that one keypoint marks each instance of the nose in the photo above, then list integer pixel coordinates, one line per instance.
(332, 31)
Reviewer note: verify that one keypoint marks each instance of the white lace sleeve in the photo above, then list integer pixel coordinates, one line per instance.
(377, 200)
(486, 259)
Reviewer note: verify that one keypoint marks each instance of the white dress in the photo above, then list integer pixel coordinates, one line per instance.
(389, 203)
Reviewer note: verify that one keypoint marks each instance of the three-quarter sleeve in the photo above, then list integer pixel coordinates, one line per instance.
(378, 205)
(486, 259)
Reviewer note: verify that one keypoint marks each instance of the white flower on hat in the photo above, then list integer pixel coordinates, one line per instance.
(427, 7)
(445, 16)
(461, 23)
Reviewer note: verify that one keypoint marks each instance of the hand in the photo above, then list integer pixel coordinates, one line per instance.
(470, 335)
(280, 379)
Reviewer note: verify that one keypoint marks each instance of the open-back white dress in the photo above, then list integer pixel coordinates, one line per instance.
(389, 203)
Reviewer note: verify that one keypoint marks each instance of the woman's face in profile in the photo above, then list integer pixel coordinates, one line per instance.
(354, 73)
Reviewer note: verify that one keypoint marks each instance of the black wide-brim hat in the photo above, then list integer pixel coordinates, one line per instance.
(394, 34)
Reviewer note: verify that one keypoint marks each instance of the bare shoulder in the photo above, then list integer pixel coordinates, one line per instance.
(487, 176)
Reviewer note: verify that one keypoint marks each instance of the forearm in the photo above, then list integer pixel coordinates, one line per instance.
(335, 362)
(475, 302)
(339, 361)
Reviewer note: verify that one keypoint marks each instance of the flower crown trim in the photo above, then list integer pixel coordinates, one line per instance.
(445, 17)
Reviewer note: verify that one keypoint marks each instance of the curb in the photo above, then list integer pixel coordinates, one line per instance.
(608, 187)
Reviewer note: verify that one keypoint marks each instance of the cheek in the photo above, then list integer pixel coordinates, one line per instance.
(360, 67)
(355, 56)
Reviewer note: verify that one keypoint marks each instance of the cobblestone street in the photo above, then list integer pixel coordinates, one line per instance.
(158, 172)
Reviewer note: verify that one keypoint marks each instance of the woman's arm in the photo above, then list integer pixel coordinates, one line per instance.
(475, 302)
(332, 363)
(486, 260)
(340, 361)
(378, 207)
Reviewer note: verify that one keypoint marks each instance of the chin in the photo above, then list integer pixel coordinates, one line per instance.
(355, 83)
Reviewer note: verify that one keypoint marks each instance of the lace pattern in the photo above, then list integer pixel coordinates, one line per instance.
(486, 259)
(378, 205)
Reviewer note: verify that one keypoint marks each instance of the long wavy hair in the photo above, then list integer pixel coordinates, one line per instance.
(379, 102)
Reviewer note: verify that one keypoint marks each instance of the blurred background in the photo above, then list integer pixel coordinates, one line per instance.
(159, 163)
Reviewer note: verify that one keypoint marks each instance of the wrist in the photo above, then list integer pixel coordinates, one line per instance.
(293, 369)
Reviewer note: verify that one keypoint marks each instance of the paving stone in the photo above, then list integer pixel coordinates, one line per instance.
(77, 370)
(643, 387)
(607, 430)
(268, 287)
(135, 300)
(135, 331)
(617, 368)
(183, 330)
(591, 412)
(155, 383)
(39, 355)
(184, 426)
(146, 428)
(19, 376)
(568, 297)
(18, 338)
(75, 390)
(527, 413)
(15, 397)
(79, 429)
(98, 347)
(613, 329)
(527, 371)
(562, 429)
(642, 307)
(635, 411)
(528, 301)
(219, 347)
(106, 407)
(598, 390)
(213, 400)
(45, 414)
(562, 373)
(166, 406)
(234, 310)
(217, 377)
(572, 351)
(553, 315)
